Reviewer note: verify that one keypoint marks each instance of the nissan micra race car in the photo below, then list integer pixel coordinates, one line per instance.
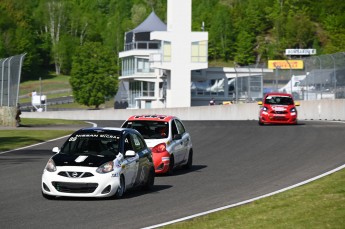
(99, 162)
(168, 139)
(278, 108)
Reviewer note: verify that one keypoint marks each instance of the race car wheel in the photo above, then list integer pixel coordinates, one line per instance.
(190, 160)
(121, 189)
(150, 180)
(48, 197)
(171, 165)
(261, 123)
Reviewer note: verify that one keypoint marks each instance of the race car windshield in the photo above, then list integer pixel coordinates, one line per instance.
(279, 100)
(101, 145)
(150, 129)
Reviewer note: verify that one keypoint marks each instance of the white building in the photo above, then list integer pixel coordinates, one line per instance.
(167, 65)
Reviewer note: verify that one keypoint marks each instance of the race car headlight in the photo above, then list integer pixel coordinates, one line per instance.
(106, 167)
(293, 110)
(159, 148)
(50, 167)
(264, 108)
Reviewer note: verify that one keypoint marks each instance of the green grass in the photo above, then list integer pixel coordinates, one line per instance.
(107, 104)
(50, 96)
(220, 63)
(49, 122)
(320, 204)
(53, 87)
(12, 139)
(47, 84)
(15, 138)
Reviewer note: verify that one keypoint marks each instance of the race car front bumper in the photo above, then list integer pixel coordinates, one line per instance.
(79, 182)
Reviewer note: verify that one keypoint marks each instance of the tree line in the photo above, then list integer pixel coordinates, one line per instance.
(54, 32)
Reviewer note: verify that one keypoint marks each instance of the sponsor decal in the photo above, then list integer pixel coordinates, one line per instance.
(165, 159)
(299, 52)
(285, 64)
(279, 108)
(93, 136)
(72, 139)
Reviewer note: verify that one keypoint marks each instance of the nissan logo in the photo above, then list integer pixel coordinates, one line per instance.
(74, 174)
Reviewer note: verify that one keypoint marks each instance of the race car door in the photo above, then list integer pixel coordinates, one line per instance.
(178, 144)
(131, 163)
(184, 140)
(141, 150)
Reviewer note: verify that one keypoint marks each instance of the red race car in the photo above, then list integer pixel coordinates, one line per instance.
(278, 108)
(168, 139)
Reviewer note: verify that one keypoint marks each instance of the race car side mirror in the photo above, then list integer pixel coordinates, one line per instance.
(56, 150)
(260, 103)
(130, 153)
(297, 104)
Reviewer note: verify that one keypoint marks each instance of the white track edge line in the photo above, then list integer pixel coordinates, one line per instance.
(246, 201)
(37, 144)
(41, 143)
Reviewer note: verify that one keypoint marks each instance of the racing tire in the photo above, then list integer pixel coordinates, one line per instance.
(260, 123)
(48, 197)
(190, 160)
(150, 180)
(121, 189)
(171, 166)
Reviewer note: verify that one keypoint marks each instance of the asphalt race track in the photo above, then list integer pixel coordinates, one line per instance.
(233, 161)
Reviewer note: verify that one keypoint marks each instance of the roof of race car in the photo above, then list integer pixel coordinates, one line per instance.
(278, 94)
(165, 118)
(96, 129)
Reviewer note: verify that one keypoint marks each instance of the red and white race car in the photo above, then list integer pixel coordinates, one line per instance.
(278, 108)
(168, 139)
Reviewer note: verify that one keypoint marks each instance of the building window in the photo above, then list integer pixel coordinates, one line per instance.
(138, 89)
(128, 66)
(148, 89)
(199, 51)
(143, 66)
(166, 51)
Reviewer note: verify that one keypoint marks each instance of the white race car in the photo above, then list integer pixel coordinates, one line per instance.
(99, 162)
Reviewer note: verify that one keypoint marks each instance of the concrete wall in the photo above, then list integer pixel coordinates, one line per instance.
(7, 116)
(309, 110)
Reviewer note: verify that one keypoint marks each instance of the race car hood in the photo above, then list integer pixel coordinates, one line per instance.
(80, 160)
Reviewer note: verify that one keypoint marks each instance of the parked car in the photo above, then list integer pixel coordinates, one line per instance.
(168, 139)
(98, 162)
(278, 108)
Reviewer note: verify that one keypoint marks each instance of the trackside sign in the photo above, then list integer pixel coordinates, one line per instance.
(300, 52)
(285, 64)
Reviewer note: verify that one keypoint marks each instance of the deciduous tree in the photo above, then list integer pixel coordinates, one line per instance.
(93, 77)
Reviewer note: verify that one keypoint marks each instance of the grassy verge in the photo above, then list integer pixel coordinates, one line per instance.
(319, 204)
(11, 139)
(49, 122)
(107, 104)
(49, 83)
(50, 96)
